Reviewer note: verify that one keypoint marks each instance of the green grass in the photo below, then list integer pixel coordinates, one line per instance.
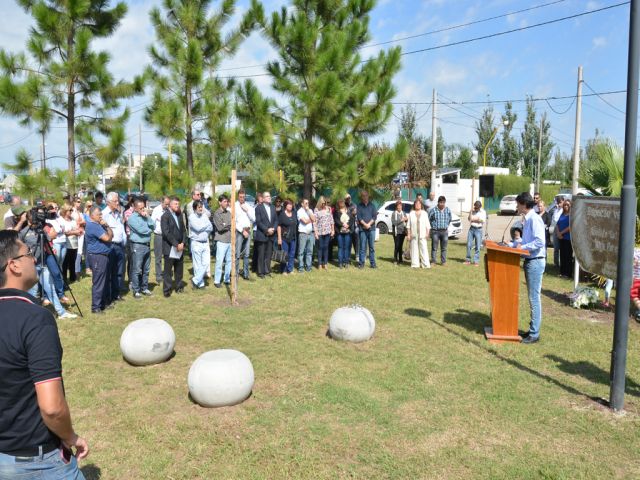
(427, 397)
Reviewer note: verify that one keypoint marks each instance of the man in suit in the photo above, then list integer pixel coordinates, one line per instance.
(266, 226)
(173, 238)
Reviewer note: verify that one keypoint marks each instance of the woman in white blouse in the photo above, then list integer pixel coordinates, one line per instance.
(418, 229)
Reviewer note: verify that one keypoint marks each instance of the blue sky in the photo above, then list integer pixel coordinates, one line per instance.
(542, 62)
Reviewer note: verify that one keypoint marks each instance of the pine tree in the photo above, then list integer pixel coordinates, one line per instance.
(510, 152)
(530, 140)
(334, 102)
(485, 132)
(189, 45)
(62, 78)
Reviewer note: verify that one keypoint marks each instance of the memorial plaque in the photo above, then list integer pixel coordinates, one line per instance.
(595, 228)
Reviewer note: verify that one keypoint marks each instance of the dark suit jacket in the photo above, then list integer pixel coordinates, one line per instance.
(263, 223)
(171, 234)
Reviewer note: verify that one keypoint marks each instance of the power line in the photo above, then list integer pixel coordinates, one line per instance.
(561, 113)
(17, 141)
(520, 29)
(605, 101)
(462, 25)
(519, 100)
(603, 112)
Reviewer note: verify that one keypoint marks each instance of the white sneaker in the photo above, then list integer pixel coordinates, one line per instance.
(68, 315)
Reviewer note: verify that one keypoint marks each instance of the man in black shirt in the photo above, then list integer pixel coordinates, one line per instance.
(36, 435)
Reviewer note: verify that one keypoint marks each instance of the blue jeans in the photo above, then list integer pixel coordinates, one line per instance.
(368, 237)
(442, 237)
(48, 466)
(116, 266)
(201, 255)
(140, 266)
(323, 249)
(305, 251)
(55, 270)
(288, 246)
(474, 238)
(533, 272)
(48, 289)
(223, 254)
(243, 246)
(344, 248)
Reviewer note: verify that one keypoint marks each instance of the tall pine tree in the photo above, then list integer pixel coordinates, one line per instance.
(63, 78)
(334, 102)
(189, 46)
(509, 152)
(530, 141)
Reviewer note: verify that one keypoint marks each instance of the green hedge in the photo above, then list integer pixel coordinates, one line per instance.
(511, 185)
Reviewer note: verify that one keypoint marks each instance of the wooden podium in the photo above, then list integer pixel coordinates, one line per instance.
(502, 268)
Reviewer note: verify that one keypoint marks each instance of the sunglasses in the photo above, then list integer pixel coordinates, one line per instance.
(29, 254)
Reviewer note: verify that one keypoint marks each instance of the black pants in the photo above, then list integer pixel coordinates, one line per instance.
(566, 258)
(100, 273)
(69, 265)
(442, 237)
(254, 257)
(173, 269)
(355, 242)
(398, 242)
(157, 255)
(265, 249)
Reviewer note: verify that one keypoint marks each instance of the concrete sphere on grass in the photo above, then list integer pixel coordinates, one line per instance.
(221, 378)
(147, 341)
(352, 324)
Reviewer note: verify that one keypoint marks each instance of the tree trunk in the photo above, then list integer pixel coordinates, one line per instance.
(213, 170)
(308, 181)
(189, 132)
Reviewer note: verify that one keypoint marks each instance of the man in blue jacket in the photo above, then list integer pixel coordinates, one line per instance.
(141, 226)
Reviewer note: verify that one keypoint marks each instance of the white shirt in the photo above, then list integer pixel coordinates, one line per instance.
(244, 219)
(68, 225)
(267, 207)
(156, 215)
(304, 227)
(482, 215)
(8, 214)
(114, 220)
(58, 226)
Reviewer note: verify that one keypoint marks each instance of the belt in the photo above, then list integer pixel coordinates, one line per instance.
(34, 451)
(477, 228)
(140, 243)
(202, 241)
(440, 229)
(101, 254)
(534, 258)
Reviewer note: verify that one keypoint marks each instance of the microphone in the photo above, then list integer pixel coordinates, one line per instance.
(505, 230)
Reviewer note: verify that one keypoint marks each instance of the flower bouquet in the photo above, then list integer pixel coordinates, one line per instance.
(584, 297)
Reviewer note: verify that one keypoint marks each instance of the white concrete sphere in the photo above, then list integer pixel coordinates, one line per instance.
(352, 324)
(147, 341)
(221, 378)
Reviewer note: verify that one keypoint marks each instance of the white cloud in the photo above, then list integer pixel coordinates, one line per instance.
(599, 42)
(592, 5)
(449, 74)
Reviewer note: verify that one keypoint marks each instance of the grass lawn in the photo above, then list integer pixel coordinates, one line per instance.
(427, 397)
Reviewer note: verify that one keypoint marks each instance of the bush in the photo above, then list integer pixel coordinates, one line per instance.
(548, 193)
(511, 185)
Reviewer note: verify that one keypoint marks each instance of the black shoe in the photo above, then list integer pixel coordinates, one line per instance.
(97, 312)
(167, 295)
(109, 307)
(227, 283)
(217, 285)
(525, 335)
(529, 339)
(374, 266)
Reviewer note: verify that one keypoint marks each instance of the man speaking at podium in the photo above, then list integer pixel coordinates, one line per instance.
(533, 240)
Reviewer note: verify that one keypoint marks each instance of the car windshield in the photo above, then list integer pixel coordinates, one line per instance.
(509, 198)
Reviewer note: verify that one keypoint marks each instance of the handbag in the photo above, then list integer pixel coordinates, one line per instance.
(280, 256)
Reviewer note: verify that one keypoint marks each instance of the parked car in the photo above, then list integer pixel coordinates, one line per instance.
(400, 178)
(383, 219)
(508, 204)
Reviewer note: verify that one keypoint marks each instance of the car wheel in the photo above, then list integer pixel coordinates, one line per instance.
(382, 227)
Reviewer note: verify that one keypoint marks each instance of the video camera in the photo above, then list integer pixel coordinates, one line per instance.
(39, 216)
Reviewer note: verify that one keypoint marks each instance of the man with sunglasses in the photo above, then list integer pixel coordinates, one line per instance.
(36, 434)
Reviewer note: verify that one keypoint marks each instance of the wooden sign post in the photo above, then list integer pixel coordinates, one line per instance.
(234, 277)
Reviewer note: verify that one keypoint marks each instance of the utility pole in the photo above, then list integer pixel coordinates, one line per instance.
(539, 178)
(140, 154)
(234, 277)
(576, 160)
(434, 150)
(626, 238)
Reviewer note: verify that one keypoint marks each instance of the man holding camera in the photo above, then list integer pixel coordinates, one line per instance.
(36, 434)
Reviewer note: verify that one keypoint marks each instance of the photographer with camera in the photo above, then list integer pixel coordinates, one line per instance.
(34, 234)
(36, 433)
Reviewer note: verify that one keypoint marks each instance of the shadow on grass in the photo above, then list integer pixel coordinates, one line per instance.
(91, 472)
(469, 320)
(592, 372)
(560, 298)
